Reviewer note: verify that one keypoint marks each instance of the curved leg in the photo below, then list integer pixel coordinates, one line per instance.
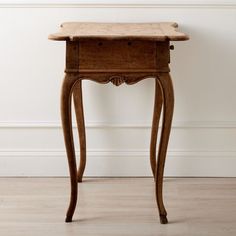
(78, 102)
(155, 123)
(66, 92)
(168, 97)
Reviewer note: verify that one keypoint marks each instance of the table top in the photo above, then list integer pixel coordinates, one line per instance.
(73, 31)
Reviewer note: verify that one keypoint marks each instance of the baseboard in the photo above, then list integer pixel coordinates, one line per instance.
(180, 163)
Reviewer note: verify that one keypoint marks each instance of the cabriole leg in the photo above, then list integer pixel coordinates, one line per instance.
(78, 102)
(168, 98)
(155, 124)
(66, 94)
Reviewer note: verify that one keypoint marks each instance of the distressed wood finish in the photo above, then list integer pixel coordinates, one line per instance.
(117, 53)
(147, 31)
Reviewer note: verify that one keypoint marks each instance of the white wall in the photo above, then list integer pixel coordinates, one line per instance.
(203, 138)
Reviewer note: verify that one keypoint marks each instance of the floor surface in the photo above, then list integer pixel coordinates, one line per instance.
(118, 206)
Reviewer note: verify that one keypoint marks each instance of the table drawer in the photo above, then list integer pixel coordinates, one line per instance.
(117, 54)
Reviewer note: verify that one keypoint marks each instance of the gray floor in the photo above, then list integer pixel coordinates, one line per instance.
(112, 206)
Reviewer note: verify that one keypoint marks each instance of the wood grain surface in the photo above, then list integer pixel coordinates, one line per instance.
(149, 31)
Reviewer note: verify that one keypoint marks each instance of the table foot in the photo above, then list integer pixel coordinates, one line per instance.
(68, 219)
(79, 179)
(163, 219)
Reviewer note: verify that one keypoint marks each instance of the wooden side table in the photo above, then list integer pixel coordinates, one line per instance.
(118, 53)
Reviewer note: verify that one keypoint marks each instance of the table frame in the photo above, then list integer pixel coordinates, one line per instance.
(117, 61)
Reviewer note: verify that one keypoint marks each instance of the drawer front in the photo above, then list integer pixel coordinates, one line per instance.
(117, 54)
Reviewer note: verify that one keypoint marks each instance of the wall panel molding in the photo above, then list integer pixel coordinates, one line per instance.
(118, 4)
(180, 163)
(96, 125)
